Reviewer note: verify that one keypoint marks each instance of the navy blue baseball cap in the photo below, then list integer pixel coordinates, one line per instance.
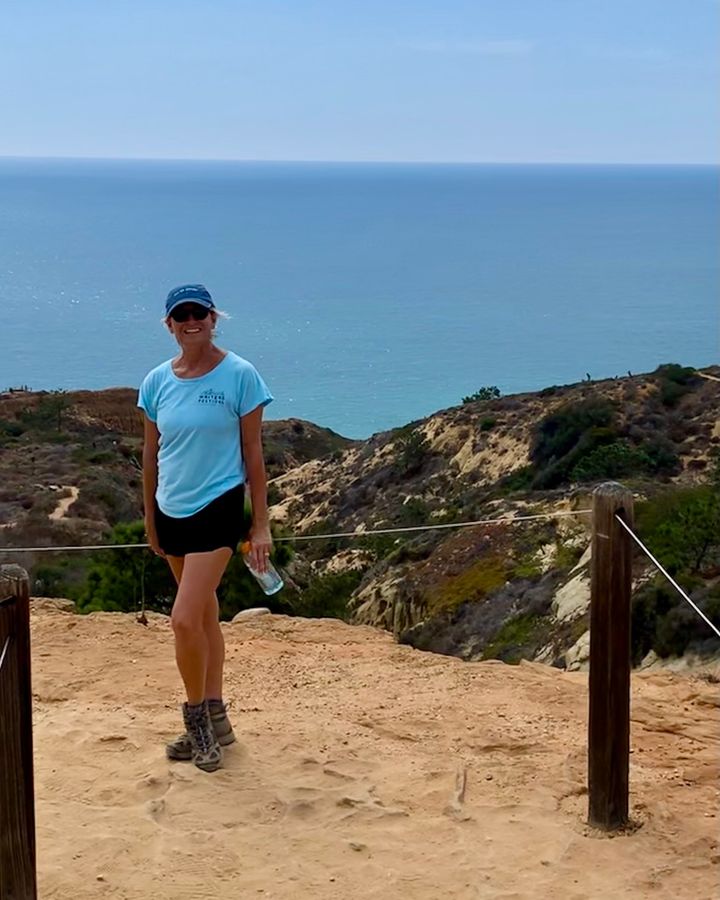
(188, 293)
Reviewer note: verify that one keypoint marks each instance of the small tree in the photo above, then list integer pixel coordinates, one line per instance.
(48, 412)
(674, 382)
(411, 452)
(688, 536)
(127, 580)
(484, 393)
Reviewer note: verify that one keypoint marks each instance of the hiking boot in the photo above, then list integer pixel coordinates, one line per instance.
(180, 749)
(206, 752)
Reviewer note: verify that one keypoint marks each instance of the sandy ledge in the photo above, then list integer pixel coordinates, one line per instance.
(345, 782)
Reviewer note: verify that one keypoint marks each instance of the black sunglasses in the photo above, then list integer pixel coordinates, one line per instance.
(183, 313)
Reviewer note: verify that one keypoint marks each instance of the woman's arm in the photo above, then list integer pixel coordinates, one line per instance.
(150, 477)
(260, 537)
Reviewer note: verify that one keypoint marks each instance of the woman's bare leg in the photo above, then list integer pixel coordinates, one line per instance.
(176, 566)
(216, 651)
(194, 604)
(215, 640)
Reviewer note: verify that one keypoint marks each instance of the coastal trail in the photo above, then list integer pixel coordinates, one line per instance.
(64, 503)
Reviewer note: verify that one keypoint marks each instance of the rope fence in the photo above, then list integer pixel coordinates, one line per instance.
(505, 520)
(668, 576)
(323, 537)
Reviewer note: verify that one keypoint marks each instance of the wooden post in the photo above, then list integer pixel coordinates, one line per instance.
(609, 721)
(17, 807)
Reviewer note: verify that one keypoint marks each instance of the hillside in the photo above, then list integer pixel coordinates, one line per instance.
(70, 472)
(519, 591)
(345, 782)
(450, 460)
(56, 444)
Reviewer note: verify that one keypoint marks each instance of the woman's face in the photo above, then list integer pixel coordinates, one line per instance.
(191, 324)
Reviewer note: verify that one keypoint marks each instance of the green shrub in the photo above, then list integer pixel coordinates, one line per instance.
(93, 457)
(484, 393)
(414, 512)
(487, 423)
(527, 567)
(676, 373)
(410, 551)
(380, 545)
(566, 556)
(474, 583)
(611, 461)
(558, 471)
(647, 605)
(510, 643)
(682, 527)
(662, 455)
(48, 413)
(50, 581)
(411, 453)
(321, 548)
(519, 480)
(327, 596)
(560, 432)
(662, 621)
(10, 429)
(674, 382)
(580, 442)
(125, 580)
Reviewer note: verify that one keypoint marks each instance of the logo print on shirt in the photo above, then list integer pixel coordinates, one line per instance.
(215, 397)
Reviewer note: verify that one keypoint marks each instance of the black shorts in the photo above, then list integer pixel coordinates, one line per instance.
(219, 524)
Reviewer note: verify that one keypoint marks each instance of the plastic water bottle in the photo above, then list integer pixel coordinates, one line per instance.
(269, 580)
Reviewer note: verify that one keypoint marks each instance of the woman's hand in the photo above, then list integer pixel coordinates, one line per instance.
(153, 539)
(260, 546)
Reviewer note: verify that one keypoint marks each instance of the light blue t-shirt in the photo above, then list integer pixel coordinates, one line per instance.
(200, 453)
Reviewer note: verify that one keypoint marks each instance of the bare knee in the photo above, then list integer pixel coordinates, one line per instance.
(196, 599)
(185, 626)
(188, 615)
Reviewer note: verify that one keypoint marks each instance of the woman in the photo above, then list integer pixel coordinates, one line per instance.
(203, 413)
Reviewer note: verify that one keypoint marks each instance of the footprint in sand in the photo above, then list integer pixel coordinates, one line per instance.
(154, 786)
(156, 809)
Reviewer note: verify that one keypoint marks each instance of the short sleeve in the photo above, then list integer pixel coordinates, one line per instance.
(253, 391)
(147, 398)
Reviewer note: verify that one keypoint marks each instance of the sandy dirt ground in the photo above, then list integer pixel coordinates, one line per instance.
(347, 780)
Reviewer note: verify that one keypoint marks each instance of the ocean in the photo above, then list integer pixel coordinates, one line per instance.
(368, 295)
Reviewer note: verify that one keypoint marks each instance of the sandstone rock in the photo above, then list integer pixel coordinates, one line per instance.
(252, 613)
(583, 561)
(344, 561)
(578, 656)
(385, 603)
(649, 660)
(52, 603)
(573, 598)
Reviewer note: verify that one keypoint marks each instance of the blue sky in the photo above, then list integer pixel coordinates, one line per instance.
(448, 80)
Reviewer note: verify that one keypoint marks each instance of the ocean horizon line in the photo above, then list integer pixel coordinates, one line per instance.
(685, 164)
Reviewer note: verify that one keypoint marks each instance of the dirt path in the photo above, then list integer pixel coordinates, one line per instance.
(65, 503)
